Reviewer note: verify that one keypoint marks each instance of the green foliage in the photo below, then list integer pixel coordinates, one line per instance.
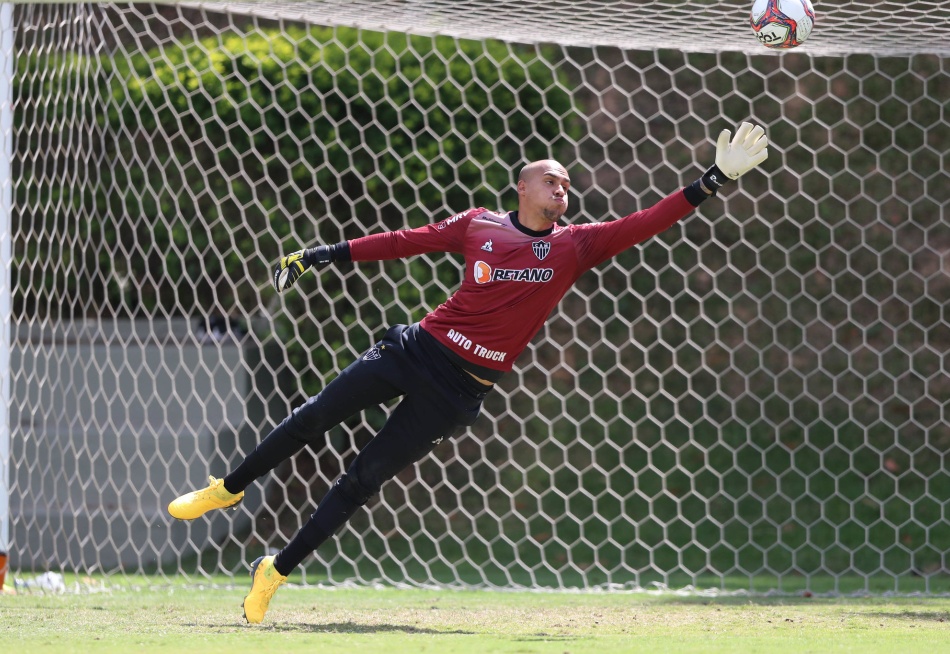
(222, 153)
(256, 140)
(53, 250)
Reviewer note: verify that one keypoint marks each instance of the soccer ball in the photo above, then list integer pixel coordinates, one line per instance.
(782, 23)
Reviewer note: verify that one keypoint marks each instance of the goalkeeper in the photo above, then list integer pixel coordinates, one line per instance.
(518, 266)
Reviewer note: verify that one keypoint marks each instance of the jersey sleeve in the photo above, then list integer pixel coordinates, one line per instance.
(597, 242)
(445, 236)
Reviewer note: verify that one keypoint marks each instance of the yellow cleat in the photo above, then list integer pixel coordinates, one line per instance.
(266, 580)
(197, 503)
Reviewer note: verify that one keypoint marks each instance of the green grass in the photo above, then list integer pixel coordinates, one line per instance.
(185, 618)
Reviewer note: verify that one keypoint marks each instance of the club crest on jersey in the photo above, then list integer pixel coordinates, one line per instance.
(541, 249)
(372, 355)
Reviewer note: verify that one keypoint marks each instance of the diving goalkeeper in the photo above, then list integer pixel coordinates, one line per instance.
(518, 266)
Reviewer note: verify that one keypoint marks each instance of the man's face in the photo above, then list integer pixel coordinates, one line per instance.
(544, 190)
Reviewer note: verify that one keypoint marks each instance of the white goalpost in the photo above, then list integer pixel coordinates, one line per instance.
(6, 264)
(753, 399)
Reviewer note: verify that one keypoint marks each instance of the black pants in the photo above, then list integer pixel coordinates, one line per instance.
(439, 401)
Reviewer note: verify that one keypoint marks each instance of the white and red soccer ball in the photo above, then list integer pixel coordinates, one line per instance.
(782, 23)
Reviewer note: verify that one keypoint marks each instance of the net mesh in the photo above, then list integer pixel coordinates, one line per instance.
(756, 394)
(879, 27)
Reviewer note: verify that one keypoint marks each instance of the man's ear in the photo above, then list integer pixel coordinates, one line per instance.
(521, 187)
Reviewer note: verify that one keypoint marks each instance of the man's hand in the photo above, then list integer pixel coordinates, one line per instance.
(291, 267)
(747, 150)
(289, 270)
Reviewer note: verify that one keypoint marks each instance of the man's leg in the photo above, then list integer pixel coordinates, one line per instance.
(363, 384)
(417, 424)
(413, 429)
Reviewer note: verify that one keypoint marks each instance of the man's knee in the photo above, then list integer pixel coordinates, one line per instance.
(305, 423)
(354, 489)
(372, 468)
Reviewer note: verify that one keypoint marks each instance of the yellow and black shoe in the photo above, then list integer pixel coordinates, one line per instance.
(265, 582)
(197, 503)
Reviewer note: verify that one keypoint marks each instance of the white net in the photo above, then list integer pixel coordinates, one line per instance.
(879, 27)
(754, 397)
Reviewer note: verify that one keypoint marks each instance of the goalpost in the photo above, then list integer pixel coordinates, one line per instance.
(754, 399)
(6, 264)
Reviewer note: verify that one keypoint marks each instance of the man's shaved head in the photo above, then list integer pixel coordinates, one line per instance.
(540, 167)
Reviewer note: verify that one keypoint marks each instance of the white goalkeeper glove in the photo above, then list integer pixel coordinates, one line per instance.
(289, 269)
(747, 150)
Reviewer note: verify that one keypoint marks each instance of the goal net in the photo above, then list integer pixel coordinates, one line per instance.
(756, 398)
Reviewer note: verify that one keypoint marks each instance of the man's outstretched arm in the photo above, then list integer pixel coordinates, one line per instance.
(601, 241)
(445, 236)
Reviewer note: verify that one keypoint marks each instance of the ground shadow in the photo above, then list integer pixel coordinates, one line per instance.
(357, 628)
(803, 600)
(912, 616)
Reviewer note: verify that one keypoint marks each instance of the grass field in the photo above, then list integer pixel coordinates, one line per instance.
(184, 618)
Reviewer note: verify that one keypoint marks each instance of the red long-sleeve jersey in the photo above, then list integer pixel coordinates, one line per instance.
(514, 277)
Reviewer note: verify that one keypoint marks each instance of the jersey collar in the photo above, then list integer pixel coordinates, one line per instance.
(513, 215)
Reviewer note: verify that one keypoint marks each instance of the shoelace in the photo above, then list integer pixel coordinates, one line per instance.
(215, 486)
(270, 587)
